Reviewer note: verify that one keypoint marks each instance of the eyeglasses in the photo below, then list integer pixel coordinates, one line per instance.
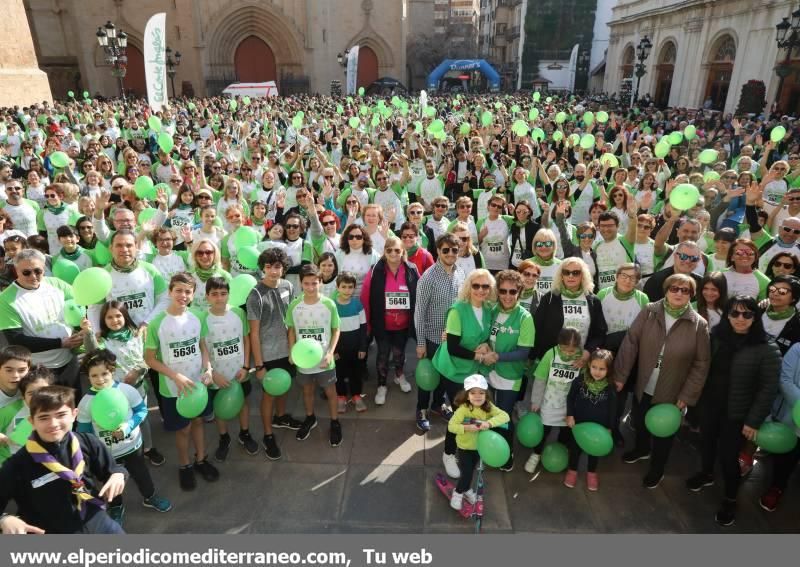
(624, 276)
(586, 236)
(745, 253)
(787, 265)
(175, 180)
(351, 202)
(355, 237)
(504, 291)
(328, 176)
(571, 273)
(679, 289)
(779, 290)
(464, 239)
(465, 206)
(686, 257)
(547, 244)
(790, 230)
(329, 223)
(481, 287)
(51, 195)
(531, 274)
(644, 226)
(85, 227)
(448, 250)
(495, 206)
(292, 227)
(204, 197)
(392, 250)
(36, 272)
(745, 314)
(204, 253)
(441, 205)
(415, 213)
(381, 178)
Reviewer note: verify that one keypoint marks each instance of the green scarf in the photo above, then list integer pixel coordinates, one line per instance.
(122, 269)
(526, 293)
(71, 256)
(123, 335)
(413, 250)
(780, 315)
(675, 313)
(622, 296)
(541, 262)
(594, 386)
(571, 294)
(56, 210)
(205, 273)
(184, 207)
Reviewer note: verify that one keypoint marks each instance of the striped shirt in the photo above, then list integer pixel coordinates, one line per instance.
(436, 292)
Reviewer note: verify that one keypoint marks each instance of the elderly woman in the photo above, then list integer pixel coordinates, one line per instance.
(571, 303)
(205, 262)
(389, 296)
(743, 275)
(622, 304)
(32, 316)
(416, 254)
(669, 340)
(468, 328)
(737, 397)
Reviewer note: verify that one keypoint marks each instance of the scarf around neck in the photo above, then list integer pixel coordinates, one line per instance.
(780, 315)
(123, 269)
(71, 256)
(673, 312)
(123, 335)
(205, 273)
(594, 386)
(622, 296)
(56, 210)
(571, 294)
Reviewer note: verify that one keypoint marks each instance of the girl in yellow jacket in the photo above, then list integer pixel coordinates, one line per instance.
(475, 413)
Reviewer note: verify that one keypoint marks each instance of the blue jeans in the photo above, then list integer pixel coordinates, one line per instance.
(101, 523)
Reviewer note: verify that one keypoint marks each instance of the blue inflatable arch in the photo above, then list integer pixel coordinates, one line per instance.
(464, 65)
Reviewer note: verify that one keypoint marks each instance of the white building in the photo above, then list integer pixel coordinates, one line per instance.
(702, 50)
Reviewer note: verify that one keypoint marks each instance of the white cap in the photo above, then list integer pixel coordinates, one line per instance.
(475, 381)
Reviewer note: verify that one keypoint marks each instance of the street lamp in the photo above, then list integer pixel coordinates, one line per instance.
(642, 53)
(172, 68)
(115, 45)
(787, 36)
(342, 57)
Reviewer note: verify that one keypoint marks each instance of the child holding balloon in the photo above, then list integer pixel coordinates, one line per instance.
(474, 413)
(590, 399)
(98, 415)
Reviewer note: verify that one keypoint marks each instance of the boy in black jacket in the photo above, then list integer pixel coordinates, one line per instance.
(60, 479)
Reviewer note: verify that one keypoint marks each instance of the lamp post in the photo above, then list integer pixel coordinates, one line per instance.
(115, 44)
(342, 58)
(642, 53)
(172, 67)
(787, 37)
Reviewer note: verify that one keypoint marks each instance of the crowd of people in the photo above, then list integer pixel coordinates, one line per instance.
(526, 243)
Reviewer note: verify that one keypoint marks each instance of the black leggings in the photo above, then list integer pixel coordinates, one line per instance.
(721, 438)
(658, 447)
(137, 467)
(451, 389)
(467, 461)
(575, 455)
(350, 367)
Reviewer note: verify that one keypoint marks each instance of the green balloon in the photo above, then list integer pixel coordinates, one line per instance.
(430, 111)
(593, 438)
(233, 105)
(70, 94)
(575, 139)
(241, 286)
(675, 138)
(248, 257)
(277, 382)
(395, 101)
(165, 142)
(555, 457)
(588, 118)
(66, 270)
(548, 100)
(662, 149)
(59, 159)
(486, 118)
(228, 402)
(602, 117)
(246, 100)
(533, 114)
(109, 408)
(520, 128)
(297, 122)
(339, 109)
(684, 197)
(777, 134)
(536, 96)
(91, 286)
(73, 313)
(493, 448)
(710, 176)
(436, 126)
(360, 91)
(440, 135)
(558, 135)
(587, 141)
(146, 215)
(464, 129)
(609, 159)
(796, 413)
(354, 122)
(86, 94)
(515, 108)
(193, 402)
(246, 236)
(426, 375)
(376, 119)
(690, 132)
(663, 420)
(22, 432)
(537, 134)
(307, 353)
(561, 117)
(708, 156)
(102, 255)
(530, 430)
(155, 123)
(143, 187)
(776, 437)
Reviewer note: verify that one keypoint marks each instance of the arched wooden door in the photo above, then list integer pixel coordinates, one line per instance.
(367, 67)
(134, 81)
(720, 70)
(254, 61)
(665, 70)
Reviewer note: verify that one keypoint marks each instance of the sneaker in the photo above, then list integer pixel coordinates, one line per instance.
(592, 482)
(445, 412)
(456, 500)
(341, 404)
(403, 383)
(699, 481)
(745, 464)
(422, 421)
(157, 503)
(380, 396)
(186, 478)
(286, 422)
(532, 463)
(470, 496)
(451, 466)
(652, 479)
(117, 513)
(771, 498)
(571, 478)
(156, 459)
(306, 427)
(509, 464)
(249, 444)
(633, 456)
(359, 403)
(224, 446)
(336, 433)
(271, 449)
(208, 471)
(726, 514)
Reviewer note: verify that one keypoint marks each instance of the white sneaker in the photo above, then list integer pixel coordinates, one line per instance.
(532, 463)
(380, 396)
(470, 496)
(403, 383)
(456, 500)
(451, 466)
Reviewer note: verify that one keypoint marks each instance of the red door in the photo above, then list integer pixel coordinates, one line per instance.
(254, 61)
(367, 67)
(134, 80)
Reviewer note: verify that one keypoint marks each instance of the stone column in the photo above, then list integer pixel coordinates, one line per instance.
(21, 80)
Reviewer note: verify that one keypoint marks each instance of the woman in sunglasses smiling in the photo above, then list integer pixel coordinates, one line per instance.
(355, 254)
(743, 275)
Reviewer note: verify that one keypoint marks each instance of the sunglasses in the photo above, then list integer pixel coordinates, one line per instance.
(415, 213)
(464, 239)
(779, 290)
(571, 273)
(686, 257)
(745, 253)
(203, 197)
(392, 250)
(531, 274)
(790, 230)
(495, 206)
(36, 272)
(351, 202)
(85, 227)
(440, 206)
(586, 236)
(465, 206)
(448, 250)
(329, 223)
(204, 253)
(745, 314)
(292, 227)
(51, 195)
(175, 180)
(679, 289)
(504, 291)
(328, 176)
(481, 287)
(355, 237)
(787, 265)
(548, 244)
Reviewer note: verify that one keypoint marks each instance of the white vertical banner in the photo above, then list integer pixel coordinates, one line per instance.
(155, 63)
(573, 66)
(352, 70)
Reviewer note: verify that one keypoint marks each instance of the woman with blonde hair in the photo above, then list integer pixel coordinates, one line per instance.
(469, 257)
(205, 261)
(544, 246)
(231, 195)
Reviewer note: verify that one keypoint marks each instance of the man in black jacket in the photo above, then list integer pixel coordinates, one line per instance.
(687, 255)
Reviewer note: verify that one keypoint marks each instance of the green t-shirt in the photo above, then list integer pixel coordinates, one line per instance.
(176, 342)
(314, 321)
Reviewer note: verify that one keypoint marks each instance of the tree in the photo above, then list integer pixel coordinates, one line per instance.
(753, 98)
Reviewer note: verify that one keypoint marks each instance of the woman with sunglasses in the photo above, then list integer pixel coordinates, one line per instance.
(417, 255)
(738, 394)
(415, 213)
(205, 261)
(544, 256)
(529, 295)
(389, 295)
(87, 239)
(783, 264)
(464, 215)
(668, 345)
(324, 232)
(493, 236)
(781, 319)
(56, 213)
(469, 257)
(355, 254)
(167, 260)
(743, 275)
(466, 351)
(522, 232)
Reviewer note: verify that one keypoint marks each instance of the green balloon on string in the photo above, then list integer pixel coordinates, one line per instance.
(66, 270)
(663, 420)
(602, 116)
(588, 118)
(593, 438)
(192, 403)
(493, 448)
(533, 114)
(708, 156)
(59, 159)
(684, 197)
(339, 109)
(587, 141)
(165, 142)
(675, 138)
(277, 382)
(662, 149)
(520, 128)
(555, 457)
(436, 126)
(440, 135)
(109, 408)
(538, 134)
(530, 430)
(73, 313)
(376, 119)
(486, 118)
(144, 187)
(710, 176)
(86, 95)
(464, 129)
(307, 353)
(609, 159)
(364, 110)
(430, 111)
(354, 122)
(536, 96)
(191, 105)
(246, 100)
(515, 108)
(248, 257)
(360, 91)
(241, 286)
(146, 215)
(575, 139)
(246, 236)
(396, 101)
(548, 100)
(558, 135)
(91, 286)
(228, 402)
(690, 132)
(70, 94)
(426, 375)
(233, 105)
(155, 123)
(561, 117)
(297, 122)
(21, 432)
(776, 437)
(777, 134)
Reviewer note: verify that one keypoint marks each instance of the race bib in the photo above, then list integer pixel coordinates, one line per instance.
(108, 438)
(227, 349)
(608, 278)
(544, 284)
(573, 309)
(133, 300)
(183, 349)
(398, 300)
(315, 334)
(495, 247)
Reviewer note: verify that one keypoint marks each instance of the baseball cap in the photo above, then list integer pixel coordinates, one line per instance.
(475, 381)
